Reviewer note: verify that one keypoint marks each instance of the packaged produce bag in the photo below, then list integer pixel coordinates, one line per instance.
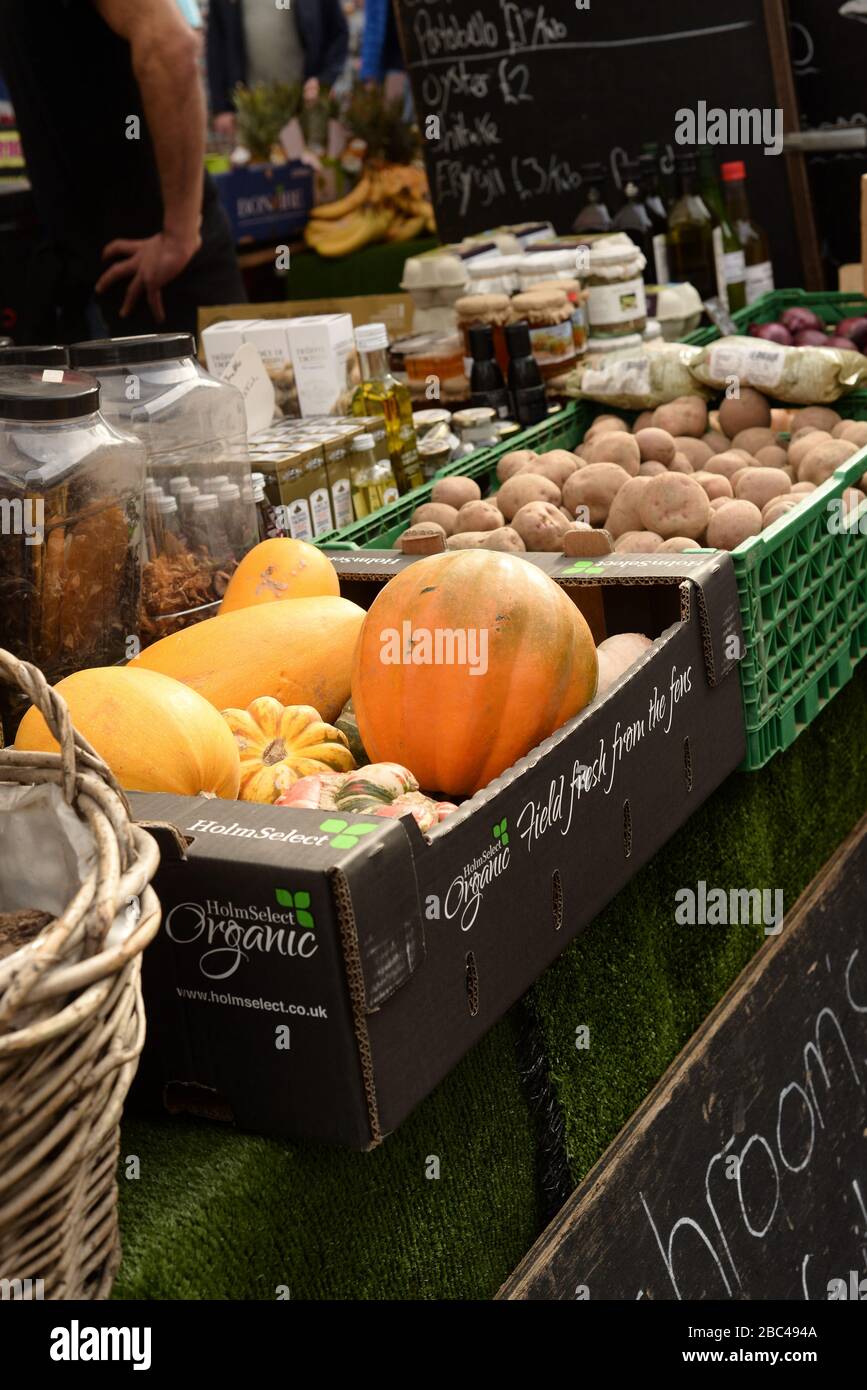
(797, 375)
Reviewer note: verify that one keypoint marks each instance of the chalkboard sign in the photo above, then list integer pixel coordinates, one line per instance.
(828, 44)
(522, 94)
(744, 1174)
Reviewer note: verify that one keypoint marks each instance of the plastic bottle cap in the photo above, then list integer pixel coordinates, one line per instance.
(167, 505)
(220, 481)
(363, 441)
(206, 503)
(179, 481)
(229, 492)
(371, 336)
(257, 478)
(258, 492)
(518, 339)
(734, 171)
(481, 342)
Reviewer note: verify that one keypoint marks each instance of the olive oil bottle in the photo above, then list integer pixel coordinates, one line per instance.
(690, 234)
(382, 394)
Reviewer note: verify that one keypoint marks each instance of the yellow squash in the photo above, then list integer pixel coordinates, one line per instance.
(279, 744)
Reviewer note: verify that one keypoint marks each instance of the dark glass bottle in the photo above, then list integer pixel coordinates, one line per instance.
(633, 217)
(759, 271)
(690, 233)
(486, 380)
(525, 379)
(730, 264)
(594, 215)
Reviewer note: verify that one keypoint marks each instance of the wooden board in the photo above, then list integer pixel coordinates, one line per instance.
(525, 93)
(744, 1174)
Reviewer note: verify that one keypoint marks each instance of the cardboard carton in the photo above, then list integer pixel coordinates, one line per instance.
(316, 976)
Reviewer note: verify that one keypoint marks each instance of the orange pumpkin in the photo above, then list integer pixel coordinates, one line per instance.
(300, 653)
(465, 662)
(278, 569)
(154, 733)
(279, 744)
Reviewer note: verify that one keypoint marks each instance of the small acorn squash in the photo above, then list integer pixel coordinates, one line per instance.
(279, 744)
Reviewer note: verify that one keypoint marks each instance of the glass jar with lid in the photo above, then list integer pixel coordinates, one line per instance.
(71, 496)
(616, 303)
(193, 426)
(549, 315)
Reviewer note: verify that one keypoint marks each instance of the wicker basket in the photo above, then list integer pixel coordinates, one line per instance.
(71, 1029)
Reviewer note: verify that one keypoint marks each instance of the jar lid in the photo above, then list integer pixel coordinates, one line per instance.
(34, 355)
(473, 417)
(143, 347)
(51, 394)
(613, 249)
(481, 304)
(537, 300)
(363, 441)
(371, 336)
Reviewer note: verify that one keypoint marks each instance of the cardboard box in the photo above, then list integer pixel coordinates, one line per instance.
(322, 348)
(316, 976)
(394, 310)
(220, 342)
(267, 202)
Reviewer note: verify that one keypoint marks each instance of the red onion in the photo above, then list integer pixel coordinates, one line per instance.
(836, 340)
(810, 337)
(772, 332)
(798, 319)
(856, 329)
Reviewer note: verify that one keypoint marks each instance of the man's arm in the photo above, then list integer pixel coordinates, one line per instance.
(164, 52)
(336, 46)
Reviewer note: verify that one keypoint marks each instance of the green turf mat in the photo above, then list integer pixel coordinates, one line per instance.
(642, 983)
(216, 1214)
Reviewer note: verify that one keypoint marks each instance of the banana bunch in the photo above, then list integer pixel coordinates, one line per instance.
(390, 202)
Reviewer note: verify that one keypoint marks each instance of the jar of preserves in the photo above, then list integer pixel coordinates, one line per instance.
(616, 303)
(548, 313)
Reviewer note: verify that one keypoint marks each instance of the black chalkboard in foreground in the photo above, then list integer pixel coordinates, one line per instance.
(523, 94)
(744, 1174)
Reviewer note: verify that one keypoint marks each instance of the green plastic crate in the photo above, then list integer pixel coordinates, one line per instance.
(802, 589)
(831, 306)
(379, 531)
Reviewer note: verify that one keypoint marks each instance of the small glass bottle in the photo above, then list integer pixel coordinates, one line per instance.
(594, 215)
(525, 379)
(486, 380)
(185, 499)
(380, 393)
(373, 482)
(233, 514)
(209, 530)
(729, 254)
(171, 541)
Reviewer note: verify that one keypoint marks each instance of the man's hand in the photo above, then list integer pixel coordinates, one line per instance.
(225, 124)
(148, 264)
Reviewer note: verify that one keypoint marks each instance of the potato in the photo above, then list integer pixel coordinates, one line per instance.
(735, 477)
(681, 464)
(724, 464)
(468, 540)
(801, 444)
(733, 523)
(478, 516)
(716, 442)
(638, 542)
(753, 440)
(677, 544)
(651, 469)
(614, 448)
(820, 462)
(760, 485)
(540, 525)
(749, 410)
(777, 507)
(852, 499)
(853, 430)
(421, 530)
(744, 453)
(685, 415)
(656, 446)
(513, 462)
(717, 502)
(525, 487)
(819, 417)
(771, 456)
(781, 419)
(557, 465)
(595, 488)
(714, 484)
(643, 421)
(437, 512)
(623, 514)
(675, 505)
(506, 538)
(802, 489)
(627, 644)
(694, 449)
(607, 424)
(454, 492)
